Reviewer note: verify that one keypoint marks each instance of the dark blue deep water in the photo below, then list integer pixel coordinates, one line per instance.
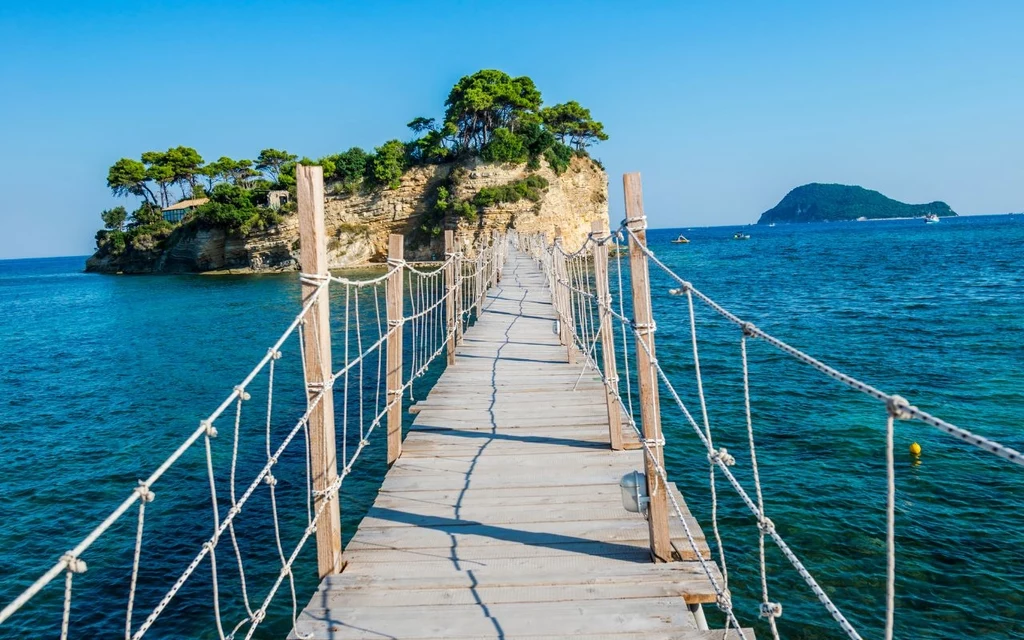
(102, 377)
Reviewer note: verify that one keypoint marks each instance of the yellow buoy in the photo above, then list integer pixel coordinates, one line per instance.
(915, 449)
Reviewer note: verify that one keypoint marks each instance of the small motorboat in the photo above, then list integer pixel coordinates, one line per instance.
(931, 218)
(739, 235)
(676, 292)
(681, 240)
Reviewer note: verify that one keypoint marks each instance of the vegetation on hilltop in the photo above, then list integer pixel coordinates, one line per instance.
(488, 114)
(817, 202)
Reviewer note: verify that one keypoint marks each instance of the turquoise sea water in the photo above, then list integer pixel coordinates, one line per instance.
(101, 377)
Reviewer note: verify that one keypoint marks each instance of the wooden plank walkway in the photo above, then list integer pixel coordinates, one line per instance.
(503, 516)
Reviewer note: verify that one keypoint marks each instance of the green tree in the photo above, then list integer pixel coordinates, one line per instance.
(270, 162)
(159, 170)
(185, 165)
(480, 103)
(387, 164)
(572, 124)
(127, 177)
(147, 214)
(114, 219)
(504, 146)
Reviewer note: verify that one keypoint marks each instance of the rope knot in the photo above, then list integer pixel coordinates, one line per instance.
(396, 262)
(766, 526)
(242, 393)
(724, 603)
(644, 328)
(898, 407)
(723, 456)
(274, 354)
(313, 278)
(270, 479)
(771, 609)
(258, 616)
(144, 493)
(748, 329)
(74, 564)
(211, 431)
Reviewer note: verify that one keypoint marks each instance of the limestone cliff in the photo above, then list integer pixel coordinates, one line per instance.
(358, 225)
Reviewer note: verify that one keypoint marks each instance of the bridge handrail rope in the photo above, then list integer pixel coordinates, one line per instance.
(429, 295)
(577, 316)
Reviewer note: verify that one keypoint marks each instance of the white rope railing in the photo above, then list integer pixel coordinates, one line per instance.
(578, 316)
(365, 402)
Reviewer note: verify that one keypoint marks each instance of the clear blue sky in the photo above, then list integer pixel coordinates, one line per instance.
(723, 106)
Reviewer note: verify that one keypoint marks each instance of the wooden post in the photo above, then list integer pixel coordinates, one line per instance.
(563, 302)
(395, 306)
(452, 291)
(647, 375)
(600, 256)
(495, 258)
(460, 282)
(316, 339)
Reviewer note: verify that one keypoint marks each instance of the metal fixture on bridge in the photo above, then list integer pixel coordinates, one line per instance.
(633, 486)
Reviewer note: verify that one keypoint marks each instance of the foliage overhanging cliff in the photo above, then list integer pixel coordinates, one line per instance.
(817, 202)
(496, 155)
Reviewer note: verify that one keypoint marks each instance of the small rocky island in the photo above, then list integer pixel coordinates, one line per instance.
(498, 159)
(818, 202)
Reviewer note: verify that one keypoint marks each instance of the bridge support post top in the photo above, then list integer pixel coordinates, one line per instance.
(633, 192)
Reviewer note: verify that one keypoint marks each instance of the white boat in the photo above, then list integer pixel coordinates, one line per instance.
(739, 235)
(681, 240)
(931, 218)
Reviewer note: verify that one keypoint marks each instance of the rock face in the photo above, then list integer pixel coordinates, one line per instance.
(835, 202)
(358, 225)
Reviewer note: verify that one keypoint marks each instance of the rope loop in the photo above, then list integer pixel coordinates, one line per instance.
(270, 479)
(313, 278)
(242, 393)
(724, 602)
(771, 609)
(274, 354)
(208, 428)
(766, 526)
(144, 493)
(899, 408)
(396, 262)
(723, 456)
(644, 328)
(258, 616)
(748, 329)
(74, 564)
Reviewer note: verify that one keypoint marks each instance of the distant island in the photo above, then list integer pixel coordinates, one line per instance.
(818, 202)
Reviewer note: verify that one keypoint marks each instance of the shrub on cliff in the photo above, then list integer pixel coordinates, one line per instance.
(505, 146)
(387, 164)
(529, 188)
(233, 208)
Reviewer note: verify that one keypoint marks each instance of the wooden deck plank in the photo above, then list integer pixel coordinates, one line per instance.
(503, 517)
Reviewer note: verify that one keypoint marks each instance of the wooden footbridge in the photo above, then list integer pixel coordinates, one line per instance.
(514, 507)
(503, 516)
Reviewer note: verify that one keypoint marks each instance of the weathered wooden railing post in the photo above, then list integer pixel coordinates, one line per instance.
(600, 257)
(647, 375)
(395, 310)
(562, 301)
(460, 282)
(495, 258)
(316, 340)
(451, 289)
